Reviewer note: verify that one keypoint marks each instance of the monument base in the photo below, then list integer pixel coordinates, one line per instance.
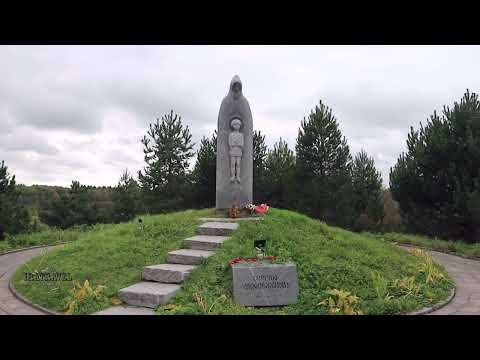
(244, 213)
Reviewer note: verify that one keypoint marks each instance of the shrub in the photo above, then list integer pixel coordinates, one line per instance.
(341, 302)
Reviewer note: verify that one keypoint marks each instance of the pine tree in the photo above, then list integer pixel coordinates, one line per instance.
(72, 208)
(14, 217)
(436, 181)
(60, 213)
(279, 172)
(259, 156)
(167, 150)
(126, 198)
(392, 221)
(204, 173)
(367, 189)
(82, 209)
(323, 163)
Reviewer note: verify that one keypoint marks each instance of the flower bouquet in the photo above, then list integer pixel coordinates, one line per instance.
(261, 209)
(251, 260)
(251, 208)
(234, 212)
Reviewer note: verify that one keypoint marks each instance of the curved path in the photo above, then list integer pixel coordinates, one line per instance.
(9, 304)
(466, 274)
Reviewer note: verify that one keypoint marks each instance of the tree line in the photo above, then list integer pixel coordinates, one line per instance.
(320, 178)
(437, 180)
(434, 186)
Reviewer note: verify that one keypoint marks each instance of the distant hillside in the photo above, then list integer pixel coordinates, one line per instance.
(39, 198)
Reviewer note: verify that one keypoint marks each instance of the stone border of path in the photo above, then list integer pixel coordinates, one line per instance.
(437, 250)
(28, 302)
(435, 307)
(12, 289)
(429, 309)
(21, 297)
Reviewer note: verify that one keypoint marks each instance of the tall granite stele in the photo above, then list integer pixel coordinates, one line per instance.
(234, 182)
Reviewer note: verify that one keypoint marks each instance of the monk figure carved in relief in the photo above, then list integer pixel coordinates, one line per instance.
(235, 142)
(234, 165)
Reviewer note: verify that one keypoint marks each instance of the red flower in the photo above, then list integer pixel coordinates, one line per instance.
(253, 259)
(262, 209)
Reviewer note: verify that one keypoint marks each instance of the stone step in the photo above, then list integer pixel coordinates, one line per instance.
(167, 273)
(204, 242)
(126, 310)
(188, 256)
(217, 228)
(148, 294)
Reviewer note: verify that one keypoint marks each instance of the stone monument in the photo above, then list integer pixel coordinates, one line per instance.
(234, 180)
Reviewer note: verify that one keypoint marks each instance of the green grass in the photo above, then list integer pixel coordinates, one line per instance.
(110, 254)
(326, 257)
(46, 237)
(457, 247)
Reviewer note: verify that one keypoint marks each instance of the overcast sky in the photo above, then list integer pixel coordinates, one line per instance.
(79, 112)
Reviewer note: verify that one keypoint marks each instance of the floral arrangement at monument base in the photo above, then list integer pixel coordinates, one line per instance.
(234, 212)
(252, 260)
(251, 208)
(261, 209)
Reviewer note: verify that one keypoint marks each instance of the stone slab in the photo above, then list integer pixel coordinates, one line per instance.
(126, 310)
(148, 294)
(230, 219)
(204, 242)
(167, 273)
(265, 284)
(188, 256)
(217, 228)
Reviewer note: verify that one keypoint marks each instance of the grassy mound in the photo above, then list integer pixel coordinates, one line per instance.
(111, 255)
(327, 258)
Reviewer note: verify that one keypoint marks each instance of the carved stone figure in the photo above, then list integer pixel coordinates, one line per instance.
(235, 142)
(234, 181)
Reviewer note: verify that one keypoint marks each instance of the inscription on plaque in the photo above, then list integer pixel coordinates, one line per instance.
(265, 284)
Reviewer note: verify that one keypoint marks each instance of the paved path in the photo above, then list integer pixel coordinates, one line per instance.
(9, 304)
(466, 274)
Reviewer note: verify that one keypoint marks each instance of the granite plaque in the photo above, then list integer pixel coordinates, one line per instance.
(265, 284)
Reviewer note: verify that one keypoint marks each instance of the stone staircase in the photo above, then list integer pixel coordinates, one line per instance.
(161, 282)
